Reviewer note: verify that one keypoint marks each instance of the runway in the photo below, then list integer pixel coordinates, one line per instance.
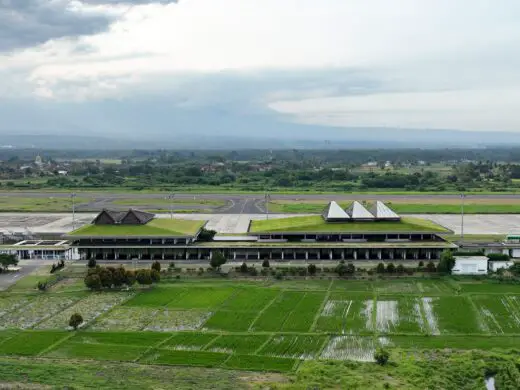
(234, 203)
(38, 223)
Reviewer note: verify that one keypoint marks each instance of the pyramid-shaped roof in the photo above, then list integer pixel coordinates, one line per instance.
(334, 212)
(358, 211)
(382, 211)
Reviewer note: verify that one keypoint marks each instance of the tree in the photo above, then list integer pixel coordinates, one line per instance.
(380, 269)
(155, 275)
(400, 269)
(144, 276)
(311, 269)
(130, 278)
(446, 263)
(390, 268)
(421, 264)
(92, 263)
(351, 269)
(93, 282)
(430, 267)
(7, 260)
(243, 268)
(217, 260)
(381, 356)
(206, 235)
(75, 320)
(341, 268)
(156, 266)
(105, 275)
(119, 276)
(266, 264)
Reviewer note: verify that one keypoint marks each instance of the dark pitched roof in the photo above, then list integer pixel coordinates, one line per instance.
(113, 217)
(141, 216)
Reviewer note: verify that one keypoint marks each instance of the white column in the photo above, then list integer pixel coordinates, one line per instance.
(379, 254)
(234, 255)
(258, 255)
(403, 254)
(306, 255)
(343, 254)
(355, 254)
(429, 255)
(330, 255)
(367, 254)
(282, 255)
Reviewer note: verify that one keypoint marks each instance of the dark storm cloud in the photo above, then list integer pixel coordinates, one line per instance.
(25, 23)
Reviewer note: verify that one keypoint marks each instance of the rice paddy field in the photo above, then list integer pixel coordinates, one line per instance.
(261, 326)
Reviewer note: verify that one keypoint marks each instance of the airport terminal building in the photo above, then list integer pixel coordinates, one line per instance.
(355, 233)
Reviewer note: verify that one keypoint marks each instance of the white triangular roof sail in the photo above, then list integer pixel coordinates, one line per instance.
(358, 211)
(333, 211)
(382, 211)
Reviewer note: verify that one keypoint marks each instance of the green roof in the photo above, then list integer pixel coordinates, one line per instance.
(331, 245)
(158, 227)
(316, 224)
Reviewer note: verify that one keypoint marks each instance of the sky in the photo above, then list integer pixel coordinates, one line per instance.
(100, 66)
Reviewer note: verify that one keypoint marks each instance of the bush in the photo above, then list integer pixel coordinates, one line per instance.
(498, 257)
(171, 266)
(92, 263)
(93, 282)
(206, 235)
(421, 264)
(144, 276)
(278, 276)
(446, 263)
(75, 320)
(266, 264)
(311, 269)
(217, 260)
(400, 269)
(155, 275)
(430, 267)
(42, 286)
(243, 268)
(253, 271)
(381, 356)
(390, 268)
(156, 266)
(380, 269)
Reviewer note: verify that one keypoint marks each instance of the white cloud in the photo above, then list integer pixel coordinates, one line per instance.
(466, 47)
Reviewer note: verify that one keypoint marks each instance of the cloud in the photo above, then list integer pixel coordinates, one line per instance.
(332, 62)
(25, 23)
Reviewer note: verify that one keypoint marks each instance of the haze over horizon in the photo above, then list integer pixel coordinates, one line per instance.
(248, 68)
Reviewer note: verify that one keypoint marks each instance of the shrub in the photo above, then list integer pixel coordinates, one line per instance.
(206, 235)
(217, 260)
(75, 320)
(266, 264)
(446, 263)
(380, 269)
(156, 266)
(381, 356)
(130, 278)
(400, 269)
(93, 282)
(253, 271)
(144, 276)
(430, 267)
(155, 275)
(498, 257)
(42, 286)
(278, 276)
(390, 268)
(243, 268)
(92, 263)
(311, 269)
(421, 264)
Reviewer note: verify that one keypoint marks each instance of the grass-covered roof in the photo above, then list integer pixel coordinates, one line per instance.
(311, 224)
(158, 227)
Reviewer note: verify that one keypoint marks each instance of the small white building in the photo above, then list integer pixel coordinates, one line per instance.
(470, 265)
(494, 266)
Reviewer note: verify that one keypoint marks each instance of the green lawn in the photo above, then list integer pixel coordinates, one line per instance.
(168, 202)
(317, 224)
(36, 204)
(158, 227)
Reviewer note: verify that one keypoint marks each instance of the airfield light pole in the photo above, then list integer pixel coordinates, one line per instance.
(73, 197)
(267, 199)
(462, 196)
(170, 197)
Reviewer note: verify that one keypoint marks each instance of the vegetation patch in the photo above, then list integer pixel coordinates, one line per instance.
(188, 341)
(139, 339)
(37, 310)
(30, 343)
(185, 358)
(299, 347)
(156, 297)
(273, 318)
(201, 298)
(354, 348)
(260, 363)
(244, 344)
(456, 314)
(345, 313)
(72, 350)
(232, 321)
(90, 308)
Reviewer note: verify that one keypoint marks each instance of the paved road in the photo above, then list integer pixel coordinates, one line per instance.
(27, 266)
(235, 204)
